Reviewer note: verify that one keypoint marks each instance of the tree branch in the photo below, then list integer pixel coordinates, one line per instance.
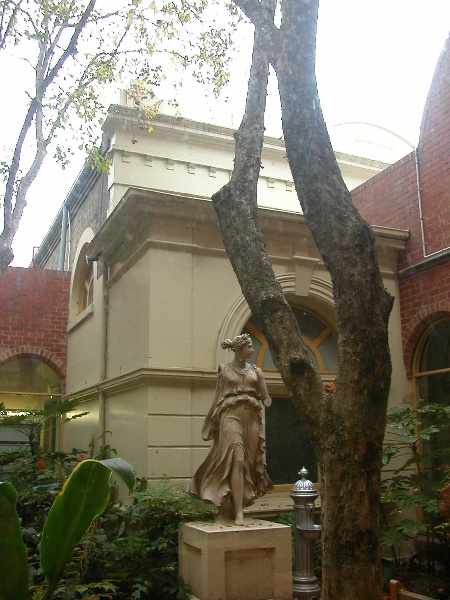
(5, 31)
(72, 45)
(346, 242)
(261, 14)
(236, 208)
(9, 227)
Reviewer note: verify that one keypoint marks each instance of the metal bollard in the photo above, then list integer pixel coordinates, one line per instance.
(304, 494)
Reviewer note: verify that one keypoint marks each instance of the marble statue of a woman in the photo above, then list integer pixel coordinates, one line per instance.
(233, 473)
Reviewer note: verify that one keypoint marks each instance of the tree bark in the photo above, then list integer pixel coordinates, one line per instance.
(346, 427)
(354, 423)
(236, 207)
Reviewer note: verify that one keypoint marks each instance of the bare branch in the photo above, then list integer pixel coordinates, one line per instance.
(72, 46)
(9, 227)
(49, 53)
(5, 31)
(12, 216)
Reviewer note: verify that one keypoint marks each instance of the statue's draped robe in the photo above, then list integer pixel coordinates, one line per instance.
(234, 419)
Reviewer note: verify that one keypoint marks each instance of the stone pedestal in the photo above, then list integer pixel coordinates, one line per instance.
(226, 562)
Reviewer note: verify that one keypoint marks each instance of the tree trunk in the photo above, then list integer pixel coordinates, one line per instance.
(346, 427)
(6, 256)
(351, 446)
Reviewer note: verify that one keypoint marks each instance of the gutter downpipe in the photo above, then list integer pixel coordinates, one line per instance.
(62, 247)
(419, 199)
(422, 222)
(103, 354)
(428, 259)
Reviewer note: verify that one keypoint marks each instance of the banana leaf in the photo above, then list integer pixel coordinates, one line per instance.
(13, 552)
(83, 497)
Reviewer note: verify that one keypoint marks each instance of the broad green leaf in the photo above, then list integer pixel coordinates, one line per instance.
(13, 552)
(84, 496)
(123, 469)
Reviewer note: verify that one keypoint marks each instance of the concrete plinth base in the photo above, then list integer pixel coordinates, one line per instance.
(226, 562)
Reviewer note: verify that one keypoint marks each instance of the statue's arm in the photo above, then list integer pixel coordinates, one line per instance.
(209, 425)
(262, 389)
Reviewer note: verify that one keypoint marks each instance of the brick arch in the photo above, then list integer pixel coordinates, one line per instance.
(417, 326)
(50, 359)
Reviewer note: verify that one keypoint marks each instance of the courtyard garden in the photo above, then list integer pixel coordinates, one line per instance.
(130, 550)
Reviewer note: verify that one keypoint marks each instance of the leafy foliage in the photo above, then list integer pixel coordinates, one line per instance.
(70, 54)
(84, 496)
(13, 566)
(141, 549)
(409, 491)
(127, 553)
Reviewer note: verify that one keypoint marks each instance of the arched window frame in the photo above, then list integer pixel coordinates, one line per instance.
(86, 289)
(84, 275)
(313, 345)
(418, 375)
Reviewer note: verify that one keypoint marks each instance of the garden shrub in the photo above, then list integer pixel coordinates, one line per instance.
(415, 501)
(128, 553)
(142, 552)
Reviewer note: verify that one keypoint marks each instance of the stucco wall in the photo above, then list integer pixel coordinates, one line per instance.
(128, 320)
(85, 345)
(172, 297)
(84, 431)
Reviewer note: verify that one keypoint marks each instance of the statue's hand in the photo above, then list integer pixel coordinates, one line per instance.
(267, 402)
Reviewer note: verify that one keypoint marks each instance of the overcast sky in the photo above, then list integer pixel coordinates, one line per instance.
(375, 62)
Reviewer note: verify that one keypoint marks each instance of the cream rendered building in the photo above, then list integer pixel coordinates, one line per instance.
(157, 294)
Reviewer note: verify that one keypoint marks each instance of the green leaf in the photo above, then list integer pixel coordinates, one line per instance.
(84, 496)
(123, 469)
(43, 489)
(13, 552)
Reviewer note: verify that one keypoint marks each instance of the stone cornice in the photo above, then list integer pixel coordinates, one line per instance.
(118, 246)
(171, 376)
(178, 126)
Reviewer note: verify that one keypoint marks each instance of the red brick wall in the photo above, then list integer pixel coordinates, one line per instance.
(425, 298)
(434, 158)
(34, 308)
(391, 199)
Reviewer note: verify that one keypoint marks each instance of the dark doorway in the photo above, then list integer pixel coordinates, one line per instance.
(288, 446)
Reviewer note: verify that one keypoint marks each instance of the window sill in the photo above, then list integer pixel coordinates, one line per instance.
(83, 316)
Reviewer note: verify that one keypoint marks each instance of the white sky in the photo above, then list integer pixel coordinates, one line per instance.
(375, 62)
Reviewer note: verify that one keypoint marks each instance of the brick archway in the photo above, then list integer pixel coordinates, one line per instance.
(425, 317)
(46, 356)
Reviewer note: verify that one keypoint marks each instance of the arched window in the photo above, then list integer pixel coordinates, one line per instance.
(86, 290)
(431, 374)
(288, 447)
(318, 335)
(84, 275)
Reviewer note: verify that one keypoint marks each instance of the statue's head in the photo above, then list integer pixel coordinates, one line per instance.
(238, 342)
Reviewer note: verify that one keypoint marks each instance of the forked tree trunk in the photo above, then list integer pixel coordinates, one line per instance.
(346, 427)
(354, 424)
